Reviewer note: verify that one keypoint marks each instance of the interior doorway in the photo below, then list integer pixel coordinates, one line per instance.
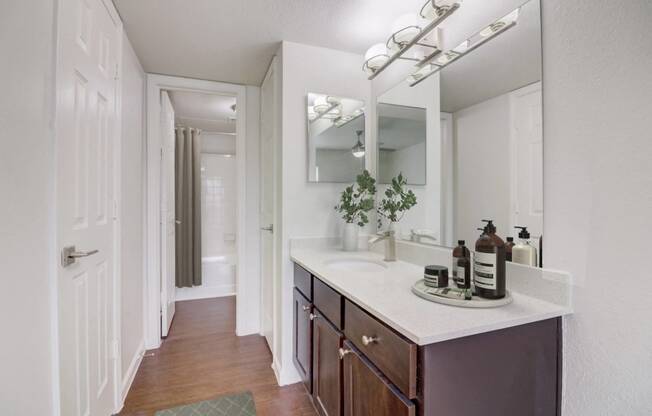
(196, 192)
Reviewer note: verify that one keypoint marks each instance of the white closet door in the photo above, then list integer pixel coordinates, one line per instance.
(267, 202)
(89, 46)
(527, 158)
(168, 219)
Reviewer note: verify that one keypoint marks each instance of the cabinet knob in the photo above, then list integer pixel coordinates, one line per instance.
(305, 308)
(313, 316)
(342, 352)
(366, 341)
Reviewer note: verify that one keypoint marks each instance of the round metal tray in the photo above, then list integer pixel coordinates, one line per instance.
(427, 293)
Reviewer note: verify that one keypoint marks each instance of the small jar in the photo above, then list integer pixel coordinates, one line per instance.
(435, 276)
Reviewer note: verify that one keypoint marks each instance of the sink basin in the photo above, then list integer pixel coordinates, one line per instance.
(357, 265)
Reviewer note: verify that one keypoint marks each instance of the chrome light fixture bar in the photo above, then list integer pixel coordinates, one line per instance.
(441, 16)
(480, 38)
(325, 107)
(347, 118)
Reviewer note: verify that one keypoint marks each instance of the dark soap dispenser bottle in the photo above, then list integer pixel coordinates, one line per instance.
(489, 264)
(508, 248)
(462, 266)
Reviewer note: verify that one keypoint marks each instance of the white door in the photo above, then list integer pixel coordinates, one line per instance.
(168, 220)
(527, 158)
(86, 135)
(267, 201)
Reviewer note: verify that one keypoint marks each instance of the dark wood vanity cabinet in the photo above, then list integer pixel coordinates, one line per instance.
(327, 367)
(366, 391)
(360, 366)
(302, 353)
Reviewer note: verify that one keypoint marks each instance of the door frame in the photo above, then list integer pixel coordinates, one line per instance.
(155, 84)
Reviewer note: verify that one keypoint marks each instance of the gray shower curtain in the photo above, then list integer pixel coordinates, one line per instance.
(188, 207)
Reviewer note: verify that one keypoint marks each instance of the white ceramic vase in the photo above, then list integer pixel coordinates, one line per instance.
(351, 237)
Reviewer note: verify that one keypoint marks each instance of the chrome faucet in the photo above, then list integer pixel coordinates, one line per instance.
(390, 244)
(418, 235)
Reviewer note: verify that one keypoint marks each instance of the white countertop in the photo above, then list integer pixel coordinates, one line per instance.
(387, 295)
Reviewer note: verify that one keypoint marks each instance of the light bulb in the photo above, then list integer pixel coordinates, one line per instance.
(404, 29)
(311, 113)
(432, 9)
(321, 104)
(375, 57)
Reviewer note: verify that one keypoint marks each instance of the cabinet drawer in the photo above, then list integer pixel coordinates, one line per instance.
(303, 281)
(367, 391)
(328, 301)
(394, 355)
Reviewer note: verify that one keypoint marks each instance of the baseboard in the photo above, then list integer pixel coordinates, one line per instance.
(199, 292)
(128, 378)
(285, 376)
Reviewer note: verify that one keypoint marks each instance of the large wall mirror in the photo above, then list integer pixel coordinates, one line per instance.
(336, 138)
(484, 142)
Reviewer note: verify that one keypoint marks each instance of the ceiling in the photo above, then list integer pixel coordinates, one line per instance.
(234, 40)
(211, 113)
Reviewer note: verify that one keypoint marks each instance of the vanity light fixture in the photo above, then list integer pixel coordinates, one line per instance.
(325, 106)
(404, 29)
(490, 32)
(410, 31)
(358, 150)
(375, 58)
(434, 9)
(347, 118)
(312, 114)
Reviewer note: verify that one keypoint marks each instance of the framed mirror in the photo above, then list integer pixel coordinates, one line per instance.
(484, 141)
(336, 138)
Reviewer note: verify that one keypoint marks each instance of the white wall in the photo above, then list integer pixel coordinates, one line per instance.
(132, 206)
(27, 309)
(337, 165)
(597, 96)
(217, 143)
(307, 208)
(482, 168)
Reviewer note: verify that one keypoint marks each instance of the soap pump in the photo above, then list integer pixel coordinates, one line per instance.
(523, 252)
(489, 264)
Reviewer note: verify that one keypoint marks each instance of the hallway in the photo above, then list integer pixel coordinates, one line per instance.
(203, 359)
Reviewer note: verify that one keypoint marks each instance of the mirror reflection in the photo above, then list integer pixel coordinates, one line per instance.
(401, 143)
(485, 136)
(336, 138)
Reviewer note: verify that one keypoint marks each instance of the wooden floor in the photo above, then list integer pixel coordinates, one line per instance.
(203, 359)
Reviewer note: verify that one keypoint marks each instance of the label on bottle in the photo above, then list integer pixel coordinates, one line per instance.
(484, 270)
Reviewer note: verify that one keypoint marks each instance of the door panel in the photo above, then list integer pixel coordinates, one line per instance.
(367, 391)
(527, 172)
(168, 219)
(267, 201)
(302, 351)
(87, 133)
(327, 367)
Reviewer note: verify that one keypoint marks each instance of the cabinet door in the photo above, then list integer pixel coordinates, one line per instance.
(367, 391)
(327, 367)
(302, 354)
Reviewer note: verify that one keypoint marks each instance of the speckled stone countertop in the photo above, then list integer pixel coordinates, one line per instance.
(537, 295)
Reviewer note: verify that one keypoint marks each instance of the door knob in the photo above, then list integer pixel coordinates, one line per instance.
(313, 316)
(69, 255)
(305, 308)
(343, 352)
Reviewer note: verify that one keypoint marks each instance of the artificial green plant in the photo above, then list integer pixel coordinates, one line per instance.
(398, 200)
(358, 199)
